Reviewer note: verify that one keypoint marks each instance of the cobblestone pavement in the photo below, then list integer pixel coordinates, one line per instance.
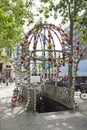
(17, 119)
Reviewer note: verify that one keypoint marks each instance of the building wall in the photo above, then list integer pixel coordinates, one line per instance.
(7, 70)
(83, 61)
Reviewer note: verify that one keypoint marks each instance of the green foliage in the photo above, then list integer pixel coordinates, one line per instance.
(4, 58)
(39, 25)
(69, 10)
(46, 8)
(45, 1)
(13, 15)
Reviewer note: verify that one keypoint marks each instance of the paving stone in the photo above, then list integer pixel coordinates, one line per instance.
(17, 119)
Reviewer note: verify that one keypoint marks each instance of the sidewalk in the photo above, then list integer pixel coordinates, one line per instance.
(17, 119)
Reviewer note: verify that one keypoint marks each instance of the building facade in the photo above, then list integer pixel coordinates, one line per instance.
(6, 67)
(82, 65)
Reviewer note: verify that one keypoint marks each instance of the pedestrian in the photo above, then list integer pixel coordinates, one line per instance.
(6, 83)
(86, 82)
(3, 80)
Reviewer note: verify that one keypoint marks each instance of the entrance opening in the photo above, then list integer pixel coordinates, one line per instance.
(45, 104)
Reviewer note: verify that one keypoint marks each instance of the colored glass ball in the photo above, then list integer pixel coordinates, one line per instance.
(55, 65)
(26, 37)
(77, 43)
(81, 54)
(49, 59)
(34, 47)
(70, 60)
(77, 48)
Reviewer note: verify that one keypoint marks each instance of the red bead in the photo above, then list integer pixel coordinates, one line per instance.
(77, 48)
(35, 37)
(65, 35)
(34, 59)
(28, 33)
(77, 43)
(68, 41)
(59, 56)
(81, 54)
(28, 43)
(49, 47)
(22, 62)
(49, 59)
(70, 60)
(22, 44)
(54, 65)
(34, 47)
(26, 37)
(63, 54)
(62, 42)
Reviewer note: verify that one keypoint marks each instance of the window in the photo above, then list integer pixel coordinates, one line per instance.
(8, 74)
(1, 67)
(8, 66)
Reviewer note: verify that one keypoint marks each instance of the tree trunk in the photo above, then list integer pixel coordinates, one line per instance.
(70, 77)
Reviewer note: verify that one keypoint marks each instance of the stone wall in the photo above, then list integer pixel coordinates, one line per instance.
(61, 95)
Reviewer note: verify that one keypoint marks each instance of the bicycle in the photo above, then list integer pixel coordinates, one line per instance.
(83, 95)
(17, 97)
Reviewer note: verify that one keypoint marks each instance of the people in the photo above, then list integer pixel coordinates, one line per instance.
(10, 79)
(0, 79)
(6, 83)
(86, 82)
(3, 80)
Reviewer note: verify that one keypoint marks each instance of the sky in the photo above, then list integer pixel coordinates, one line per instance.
(49, 20)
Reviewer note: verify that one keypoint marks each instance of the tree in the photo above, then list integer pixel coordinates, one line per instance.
(13, 15)
(69, 10)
